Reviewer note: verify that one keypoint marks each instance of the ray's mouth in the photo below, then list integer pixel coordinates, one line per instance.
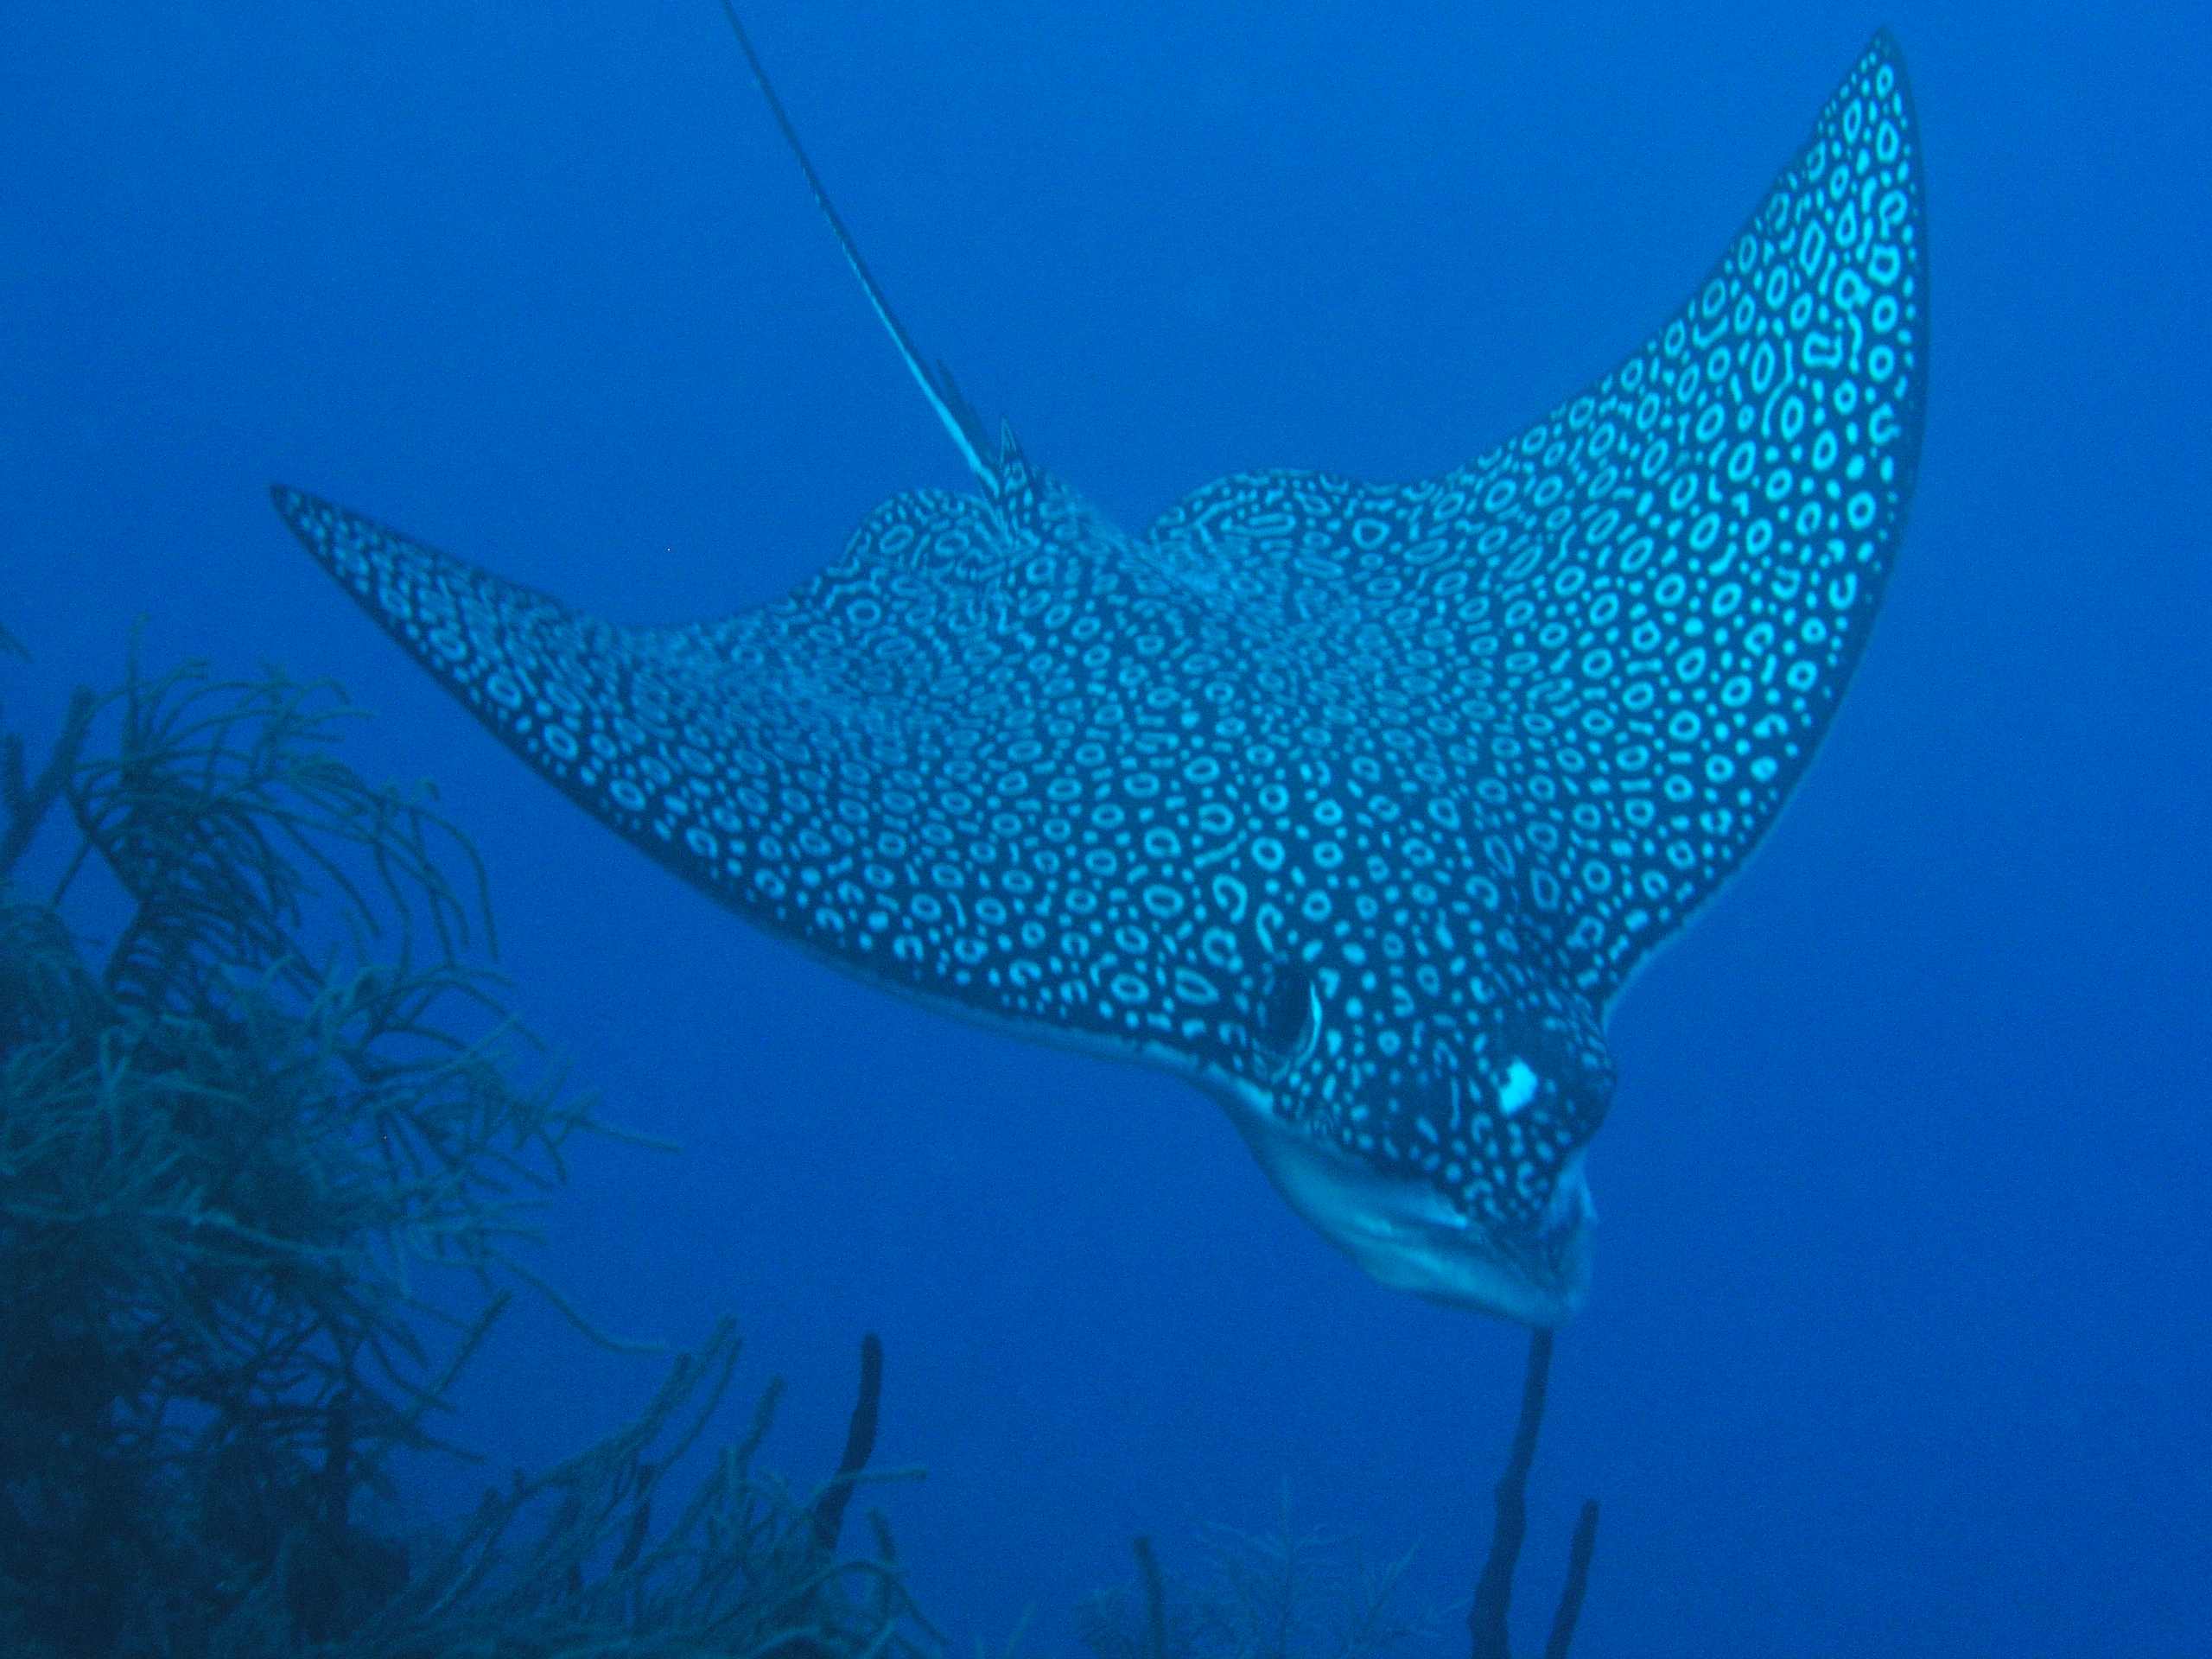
(1570, 1208)
(1407, 1236)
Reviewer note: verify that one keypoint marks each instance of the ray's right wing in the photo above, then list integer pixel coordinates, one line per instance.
(1628, 627)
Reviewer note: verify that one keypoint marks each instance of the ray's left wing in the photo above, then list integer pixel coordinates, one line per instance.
(860, 768)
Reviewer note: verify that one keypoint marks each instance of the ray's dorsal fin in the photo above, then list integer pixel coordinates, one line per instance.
(953, 410)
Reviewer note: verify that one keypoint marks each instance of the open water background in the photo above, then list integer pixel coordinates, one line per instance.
(1902, 1337)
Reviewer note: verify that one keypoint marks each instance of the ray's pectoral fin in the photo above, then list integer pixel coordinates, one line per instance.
(755, 755)
(1640, 614)
(1745, 479)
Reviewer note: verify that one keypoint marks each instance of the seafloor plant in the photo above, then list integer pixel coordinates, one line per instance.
(266, 1147)
(1291, 1594)
(1284, 1594)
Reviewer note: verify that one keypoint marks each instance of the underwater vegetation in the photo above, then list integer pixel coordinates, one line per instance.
(1310, 1594)
(270, 1135)
(268, 1142)
(1288, 1590)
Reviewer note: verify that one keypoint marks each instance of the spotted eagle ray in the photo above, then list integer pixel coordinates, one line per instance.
(1357, 804)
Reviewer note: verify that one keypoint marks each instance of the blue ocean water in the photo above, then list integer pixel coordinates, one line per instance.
(1901, 1341)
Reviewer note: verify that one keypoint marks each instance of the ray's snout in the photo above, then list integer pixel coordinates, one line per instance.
(1405, 1234)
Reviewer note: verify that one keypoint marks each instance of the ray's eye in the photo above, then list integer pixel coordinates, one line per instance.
(1289, 1015)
